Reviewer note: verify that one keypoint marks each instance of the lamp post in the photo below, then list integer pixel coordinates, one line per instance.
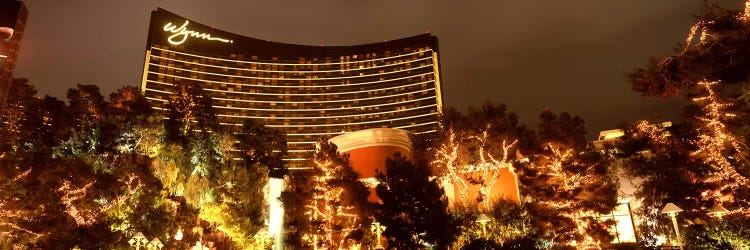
(155, 244)
(671, 209)
(718, 211)
(138, 241)
(377, 229)
(482, 220)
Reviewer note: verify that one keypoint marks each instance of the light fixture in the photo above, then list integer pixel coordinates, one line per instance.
(155, 244)
(482, 220)
(138, 240)
(671, 209)
(717, 211)
(377, 229)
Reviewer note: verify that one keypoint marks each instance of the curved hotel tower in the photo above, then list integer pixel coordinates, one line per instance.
(307, 91)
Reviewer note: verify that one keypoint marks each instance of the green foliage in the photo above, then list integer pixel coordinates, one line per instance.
(239, 210)
(93, 173)
(30, 125)
(189, 114)
(510, 225)
(733, 232)
(260, 144)
(414, 208)
(296, 198)
(234, 227)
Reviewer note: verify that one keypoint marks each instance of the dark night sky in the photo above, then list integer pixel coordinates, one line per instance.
(562, 55)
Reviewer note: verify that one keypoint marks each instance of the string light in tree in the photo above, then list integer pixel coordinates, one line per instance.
(13, 221)
(336, 220)
(452, 159)
(71, 195)
(447, 160)
(489, 166)
(715, 142)
(564, 183)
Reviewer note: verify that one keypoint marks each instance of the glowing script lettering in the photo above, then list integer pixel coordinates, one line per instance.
(181, 34)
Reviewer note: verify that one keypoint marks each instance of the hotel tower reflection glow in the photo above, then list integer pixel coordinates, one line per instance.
(307, 91)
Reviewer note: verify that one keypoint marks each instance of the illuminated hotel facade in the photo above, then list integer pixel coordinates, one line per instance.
(13, 15)
(307, 91)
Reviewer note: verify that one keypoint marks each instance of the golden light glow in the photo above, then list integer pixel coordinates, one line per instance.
(715, 142)
(568, 182)
(290, 79)
(436, 72)
(310, 94)
(316, 109)
(485, 171)
(181, 34)
(337, 220)
(72, 194)
(13, 222)
(289, 86)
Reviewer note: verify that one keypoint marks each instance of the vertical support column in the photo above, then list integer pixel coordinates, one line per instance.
(438, 84)
(276, 212)
(145, 71)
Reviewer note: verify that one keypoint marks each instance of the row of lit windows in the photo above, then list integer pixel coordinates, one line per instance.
(278, 78)
(295, 69)
(321, 100)
(288, 92)
(338, 83)
(172, 53)
(369, 86)
(228, 104)
(320, 118)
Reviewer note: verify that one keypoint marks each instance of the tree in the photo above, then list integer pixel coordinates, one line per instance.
(659, 157)
(239, 210)
(704, 154)
(15, 115)
(30, 124)
(716, 48)
(296, 199)
(414, 208)
(473, 148)
(568, 183)
(720, 149)
(189, 111)
(260, 144)
(339, 207)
